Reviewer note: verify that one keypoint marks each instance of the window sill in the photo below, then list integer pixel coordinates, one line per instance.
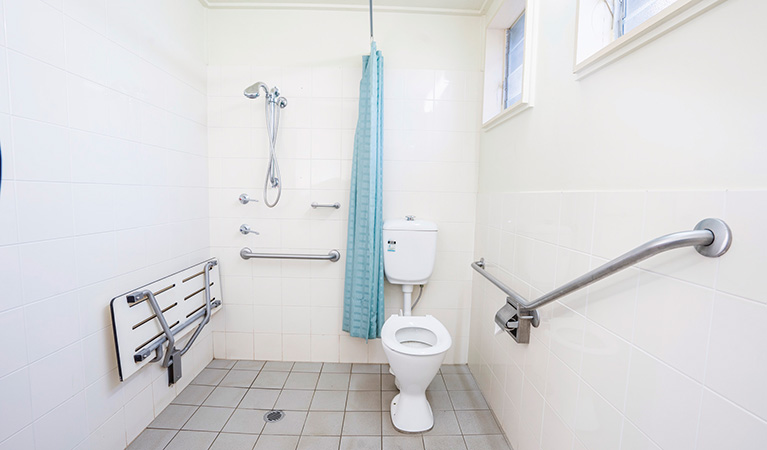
(506, 114)
(663, 22)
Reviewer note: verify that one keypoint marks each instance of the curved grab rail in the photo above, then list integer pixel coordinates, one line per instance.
(711, 238)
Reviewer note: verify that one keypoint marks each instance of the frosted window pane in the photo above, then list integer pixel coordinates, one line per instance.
(515, 54)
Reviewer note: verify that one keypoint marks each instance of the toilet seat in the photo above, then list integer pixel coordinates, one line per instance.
(415, 335)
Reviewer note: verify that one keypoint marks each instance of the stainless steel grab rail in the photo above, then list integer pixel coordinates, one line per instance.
(711, 238)
(332, 256)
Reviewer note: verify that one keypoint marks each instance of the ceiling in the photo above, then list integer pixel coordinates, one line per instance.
(471, 7)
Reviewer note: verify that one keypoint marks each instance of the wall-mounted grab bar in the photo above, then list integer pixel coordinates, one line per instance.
(335, 205)
(711, 238)
(332, 256)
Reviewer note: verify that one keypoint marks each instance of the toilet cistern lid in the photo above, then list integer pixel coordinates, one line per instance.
(408, 224)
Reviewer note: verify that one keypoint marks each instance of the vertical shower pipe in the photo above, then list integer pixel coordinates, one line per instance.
(371, 20)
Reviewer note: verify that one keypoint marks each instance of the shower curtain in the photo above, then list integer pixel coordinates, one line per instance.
(364, 284)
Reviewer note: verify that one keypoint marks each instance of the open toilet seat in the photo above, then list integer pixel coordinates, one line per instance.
(415, 335)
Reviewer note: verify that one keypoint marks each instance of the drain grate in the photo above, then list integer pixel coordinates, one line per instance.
(274, 416)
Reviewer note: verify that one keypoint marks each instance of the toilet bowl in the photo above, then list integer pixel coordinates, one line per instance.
(415, 347)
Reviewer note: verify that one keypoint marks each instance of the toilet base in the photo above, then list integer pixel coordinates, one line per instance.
(411, 413)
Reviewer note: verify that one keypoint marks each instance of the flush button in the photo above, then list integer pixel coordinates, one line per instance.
(410, 218)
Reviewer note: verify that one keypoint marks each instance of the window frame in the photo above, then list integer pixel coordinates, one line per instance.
(661, 23)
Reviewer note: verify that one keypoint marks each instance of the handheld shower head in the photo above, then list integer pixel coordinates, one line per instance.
(255, 90)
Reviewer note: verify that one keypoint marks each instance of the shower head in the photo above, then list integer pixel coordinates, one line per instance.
(255, 90)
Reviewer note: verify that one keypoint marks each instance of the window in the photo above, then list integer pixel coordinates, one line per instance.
(515, 52)
(610, 29)
(631, 13)
(507, 88)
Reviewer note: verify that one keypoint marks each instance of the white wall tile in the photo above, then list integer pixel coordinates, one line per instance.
(12, 332)
(618, 220)
(91, 13)
(662, 402)
(17, 407)
(41, 218)
(5, 99)
(63, 427)
(103, 399)
(597, 423)
(723, 425)
(605, 363)
(56, 378)
(51, 325)
(35, 29)
(10, 278)
(36, 89)
(41, 151)
(52, 259)
(87, 52)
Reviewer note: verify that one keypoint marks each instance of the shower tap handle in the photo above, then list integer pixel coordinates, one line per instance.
(245, 229)
(245, 198)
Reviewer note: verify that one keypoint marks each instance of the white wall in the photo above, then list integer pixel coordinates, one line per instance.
(666, 355)
(103, 130)
(292, 310)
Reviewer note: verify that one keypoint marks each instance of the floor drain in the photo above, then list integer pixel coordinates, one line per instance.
(274, 416)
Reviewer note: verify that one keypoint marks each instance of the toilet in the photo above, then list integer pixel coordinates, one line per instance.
(414, 345)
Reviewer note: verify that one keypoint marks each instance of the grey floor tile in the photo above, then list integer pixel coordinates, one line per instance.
(221, 364)
(249, 365)
(276, 443)
(246, 421)
(444, 443)
(191, 440)
(239, 378)
(387, 427)
(477, 422)
(437, 384)
(270, 380)
(233, 441)
(225, 396)
(362, 424)
(291, 424)
(460, 382)
(454, 368)
(210, 377)
(208, 419)
(173, 417)
(439, 400)
(365, 382)
(302, 380)
(366, 368)
(386, 398)
(319, 442)
(402, 443)
(445, 423)
(333, 381)
(278, 366)
(314, 367)
(329, 401)
(151, 439)
(193, 394)
(468, 400)
(260, 399)
(487, 442)
(295, 400)
(360, 443)
(323, 423)
(364, 401)
(387, 382)
(337, 367)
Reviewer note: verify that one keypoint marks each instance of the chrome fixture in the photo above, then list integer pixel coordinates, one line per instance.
(335, 205)
(711, 238)
(410, 218)
(332, 256)
(245, 199)
(245, 229)
(274, 103)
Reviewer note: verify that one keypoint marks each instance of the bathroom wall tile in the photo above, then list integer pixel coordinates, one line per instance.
(12, 330)
(723, 424)
(327, 82)
(10, 278)
(90, 13)
(295, 320)
(662, 402)
(239, 346)
(680, 342)
(597, 423)
(52, 258)
(561, 390)
(738, 270)
(51, 325)
(420, 84)
(86, 52)
(17, 412)
(35, 29)
(633, 439)
(23, 439)
(41, 151)
(577, 220)
(232, 81)
(618, 219)
(733, 370)
(36, 91)
(40, 218)
(325, 348)
(612, 302)
(63, 427)
(56, 378)
(296, 347)
(556, 435)
(267, 346)
(605, 364)
(103, 399)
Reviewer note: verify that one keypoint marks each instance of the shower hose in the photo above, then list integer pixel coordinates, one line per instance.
(273, 106)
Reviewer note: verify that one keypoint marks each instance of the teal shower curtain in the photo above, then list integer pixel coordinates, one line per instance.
(364, 284)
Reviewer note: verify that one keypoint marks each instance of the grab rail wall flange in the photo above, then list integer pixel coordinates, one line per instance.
(711, 238)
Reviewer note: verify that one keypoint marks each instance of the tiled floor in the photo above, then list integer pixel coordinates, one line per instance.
(328, 407)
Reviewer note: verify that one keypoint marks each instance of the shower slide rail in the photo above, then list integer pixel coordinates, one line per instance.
(711, 238)
(332, 256)
(153, 318)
